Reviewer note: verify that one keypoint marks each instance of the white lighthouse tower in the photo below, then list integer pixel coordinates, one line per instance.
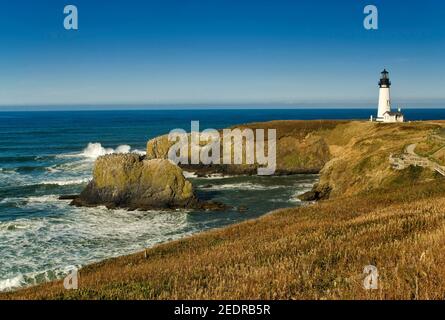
(384, 95)
(384, 113)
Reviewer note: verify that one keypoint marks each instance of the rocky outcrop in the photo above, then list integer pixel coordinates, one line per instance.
(301, 148)
(317, 193)
(351, 156)
(133, 182)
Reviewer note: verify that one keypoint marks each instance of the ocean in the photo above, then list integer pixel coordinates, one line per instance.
(47, 154)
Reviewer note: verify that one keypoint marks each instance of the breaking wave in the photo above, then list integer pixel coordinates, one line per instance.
(63, 182)
(78, 237)
(95, 149)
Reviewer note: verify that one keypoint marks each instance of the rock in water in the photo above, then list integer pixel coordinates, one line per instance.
(133, 182)
(317, 193)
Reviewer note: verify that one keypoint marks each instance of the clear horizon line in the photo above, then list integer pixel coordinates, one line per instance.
(210, 104)
(105, 108)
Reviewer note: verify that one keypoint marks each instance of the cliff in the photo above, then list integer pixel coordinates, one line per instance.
(361, 154)
(299, 148)
(351, 156)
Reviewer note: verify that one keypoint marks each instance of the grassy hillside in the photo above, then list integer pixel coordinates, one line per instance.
(360, 154)
(312, 252)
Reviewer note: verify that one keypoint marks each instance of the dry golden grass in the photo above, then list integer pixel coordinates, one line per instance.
(361, 152)
(313, 252)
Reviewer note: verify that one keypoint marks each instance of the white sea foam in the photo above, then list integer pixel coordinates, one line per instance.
(188, 174)
(77, 237)
(95, 149)
(215, 176)
(66, 182)
(32, 278)
(84, 165)
(52, 170)
(23, 201)
(303, 189)
(12, 283)
(212, 176)
(140, 152)
(241, 186)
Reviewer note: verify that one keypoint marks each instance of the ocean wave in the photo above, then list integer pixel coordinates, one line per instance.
(65, 182)
(189, 175)
(95, 149)
(241, 186)
(84, 165)
(23, 201)
(12, 283)
(212, 176)
(39, 249)
(303, 189)
(140, 152)
(14, 225)
(33, 278)
(215, 176)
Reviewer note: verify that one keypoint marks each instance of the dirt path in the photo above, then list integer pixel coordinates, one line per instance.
(410, 149)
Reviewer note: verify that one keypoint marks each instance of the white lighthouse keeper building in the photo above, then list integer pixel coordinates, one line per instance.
(384, 113)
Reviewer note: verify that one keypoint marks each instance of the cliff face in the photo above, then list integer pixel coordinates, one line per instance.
(300, 148)
(361, 152)
(130, 181)
(351, 156)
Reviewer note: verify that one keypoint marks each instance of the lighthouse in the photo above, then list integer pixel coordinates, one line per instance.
(384, 113)
(384, 95)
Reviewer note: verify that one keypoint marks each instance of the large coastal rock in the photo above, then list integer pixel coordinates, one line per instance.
(301, 148)
(133, 182)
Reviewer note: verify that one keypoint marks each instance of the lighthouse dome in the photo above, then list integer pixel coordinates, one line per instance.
(384, 79)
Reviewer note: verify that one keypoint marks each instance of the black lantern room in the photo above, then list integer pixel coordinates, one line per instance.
(384, 80)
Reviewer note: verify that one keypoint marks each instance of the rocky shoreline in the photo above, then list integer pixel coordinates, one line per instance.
(136, 182)
(356, 177)
(350, 157)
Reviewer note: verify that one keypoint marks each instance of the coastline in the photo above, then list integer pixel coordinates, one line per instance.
(367, 196)
(204, 181)
(311, 252)
(143, 252)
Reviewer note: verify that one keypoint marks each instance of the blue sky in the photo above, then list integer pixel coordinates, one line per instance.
(220, 52)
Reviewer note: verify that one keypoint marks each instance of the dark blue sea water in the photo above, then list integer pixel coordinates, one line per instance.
(46, 154)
